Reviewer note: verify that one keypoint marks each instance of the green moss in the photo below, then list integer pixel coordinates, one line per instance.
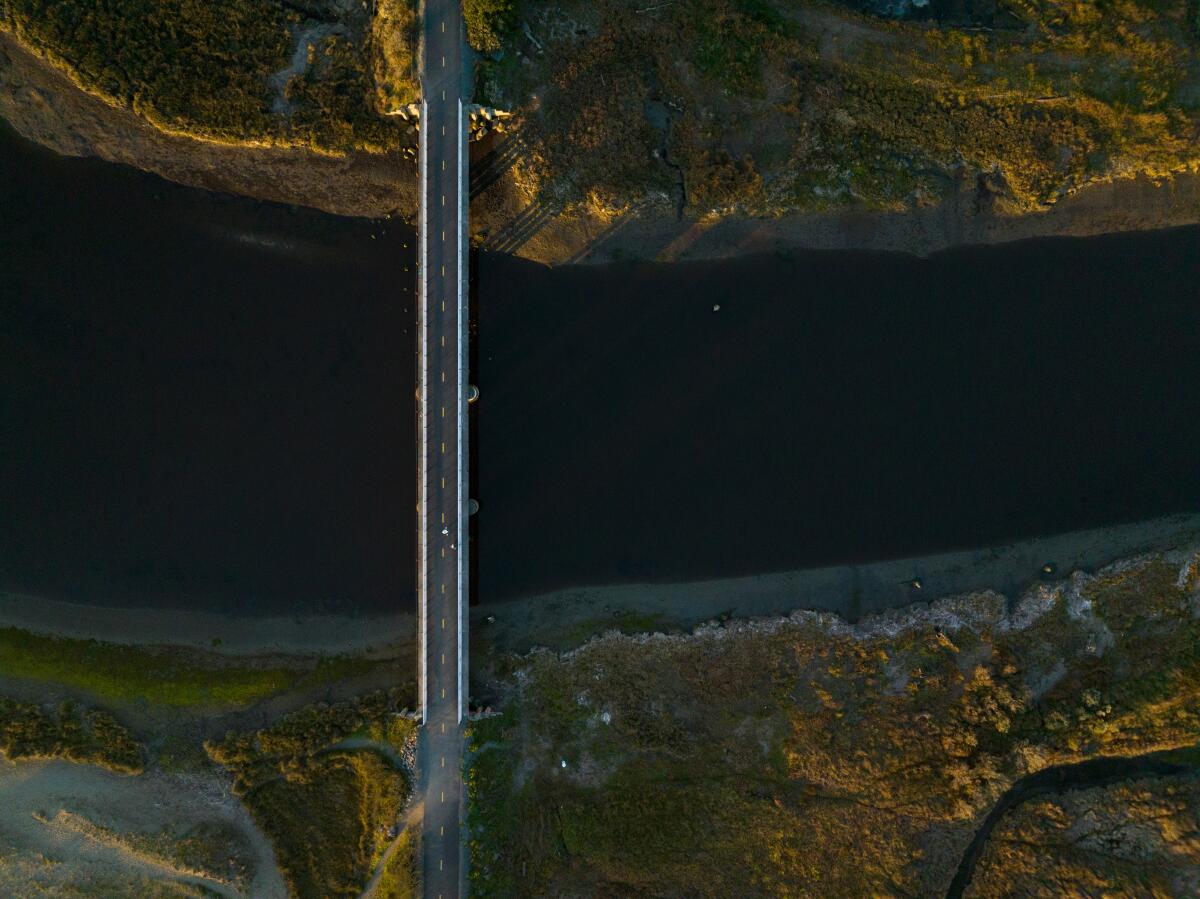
(132, 674)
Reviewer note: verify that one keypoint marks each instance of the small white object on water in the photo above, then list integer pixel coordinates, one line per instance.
(564, 763)
(716, 307)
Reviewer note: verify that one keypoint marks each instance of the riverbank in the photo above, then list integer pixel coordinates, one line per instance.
(579, 235)
(43, 105)
(47, 107)
(565, 618)
(835, 759)
(568, 617)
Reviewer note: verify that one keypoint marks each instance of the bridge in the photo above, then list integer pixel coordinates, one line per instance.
(442, 486)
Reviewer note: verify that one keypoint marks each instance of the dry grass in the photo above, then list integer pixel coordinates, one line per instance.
(773, 106)
(1133, 839)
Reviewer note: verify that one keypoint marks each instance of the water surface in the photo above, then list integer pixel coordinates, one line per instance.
(208, 401)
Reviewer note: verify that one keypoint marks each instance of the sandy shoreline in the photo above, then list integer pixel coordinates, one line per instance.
(568, 616)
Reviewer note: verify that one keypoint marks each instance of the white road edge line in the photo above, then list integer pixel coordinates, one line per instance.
(423, 424)
(461, 320)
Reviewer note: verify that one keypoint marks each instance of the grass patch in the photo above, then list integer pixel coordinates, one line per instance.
(400, 877)
(326, 810)
(328, 823)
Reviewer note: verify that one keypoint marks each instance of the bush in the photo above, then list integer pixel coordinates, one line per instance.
(92, 737)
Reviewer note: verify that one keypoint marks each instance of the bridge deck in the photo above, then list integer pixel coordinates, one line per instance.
(442, 456)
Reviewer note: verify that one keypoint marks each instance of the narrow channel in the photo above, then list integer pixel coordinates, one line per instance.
(1061, 779)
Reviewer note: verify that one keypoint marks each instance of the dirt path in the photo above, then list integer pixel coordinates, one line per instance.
(76, 814)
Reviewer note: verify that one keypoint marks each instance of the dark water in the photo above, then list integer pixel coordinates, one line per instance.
(839, 406)
(202, 400)
(207, 400)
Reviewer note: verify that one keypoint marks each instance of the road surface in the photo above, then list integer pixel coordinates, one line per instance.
(442, 454)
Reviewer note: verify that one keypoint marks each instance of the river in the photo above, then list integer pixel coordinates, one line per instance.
(205, 400)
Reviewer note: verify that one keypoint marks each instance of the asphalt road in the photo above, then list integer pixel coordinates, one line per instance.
(442, 456)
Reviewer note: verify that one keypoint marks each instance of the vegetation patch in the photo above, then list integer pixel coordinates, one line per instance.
(400, 876)
(487, 22)
(242, 71)
(329, 821)
(778, 106)
(807, 757)
(134, 674)
(68, 732)
(328, 803)
(1133, 839)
